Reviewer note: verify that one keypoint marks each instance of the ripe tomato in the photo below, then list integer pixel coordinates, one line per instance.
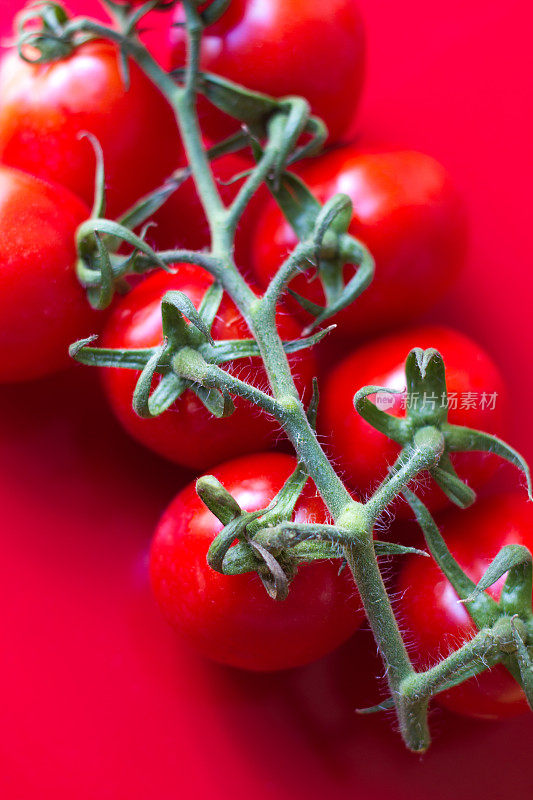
(474, 385)
(187, 433)
(407, 213)
(44, 108)
(42, 306)
(322, 56)
(230, 618)
(438, 624)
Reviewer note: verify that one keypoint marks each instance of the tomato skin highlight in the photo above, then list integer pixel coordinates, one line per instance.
(187, 433)
(244, 46)
(230, 618)
(44, 108)
(43, 308)
(363, 453)
(406, 211)
(437, 622)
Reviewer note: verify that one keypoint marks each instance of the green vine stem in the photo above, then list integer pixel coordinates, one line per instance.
(423, 450)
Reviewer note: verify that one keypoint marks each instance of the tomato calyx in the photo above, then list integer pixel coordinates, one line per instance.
(427, 408)
(269, 541)
(188, 358)
(326, 229)
(510, 619)
(43, 34)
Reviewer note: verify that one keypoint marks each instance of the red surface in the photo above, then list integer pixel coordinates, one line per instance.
(99, 700)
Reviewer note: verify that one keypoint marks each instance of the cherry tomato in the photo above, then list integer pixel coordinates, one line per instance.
(437, 623)
(407, 213)
(285, 47)
(476, 393)
(43, 308)
(187, 433)
(44, 108)
(230, 618)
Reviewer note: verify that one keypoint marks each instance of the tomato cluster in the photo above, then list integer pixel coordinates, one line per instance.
(405, 210)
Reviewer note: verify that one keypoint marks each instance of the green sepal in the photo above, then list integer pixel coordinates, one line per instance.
(525, 664)
(218, 402)
(298, 204)
(312, 409)
(454, 488)
(274, 578)
(176, 305)
(395, 428)
(291, 121)
(141, 395)
(99, 204)
(234, 529)
(252, 108)
(210, 304)
(231, 349)
(167, 391)
(393, 549)
(516, 594)
(217, 499)
(426, 379)
(461, 440)
(100, 297)
(360, 281)
(82, 352)
(52, 40)
(483, 609)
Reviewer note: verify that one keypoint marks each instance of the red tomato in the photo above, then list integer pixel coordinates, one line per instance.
(474, 384)
(285, 47)
(230, 618)
(438, 623)
(44, 108)
(42, 306)
(407, 213)
(187, 433)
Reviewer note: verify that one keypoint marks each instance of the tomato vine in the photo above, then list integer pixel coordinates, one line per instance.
(279, 132)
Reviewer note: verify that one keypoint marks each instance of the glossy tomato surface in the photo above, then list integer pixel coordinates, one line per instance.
(43, 308)
(231, 618)
(45, 107)
(437, 623)
(477, 399)
(187, 433)
(405, 210)
(101, 700)
(280, 47)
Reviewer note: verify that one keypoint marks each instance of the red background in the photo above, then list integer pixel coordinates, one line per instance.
(99, 700)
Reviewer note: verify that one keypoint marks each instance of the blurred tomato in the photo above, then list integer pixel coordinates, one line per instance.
(285, 47)
(45, 107)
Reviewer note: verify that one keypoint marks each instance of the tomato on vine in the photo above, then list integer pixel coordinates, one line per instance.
(405, 210)
(230, 618)
(187, 433)
(42, 306)
(322, 57)
(437, 622)
(45, 107)
(476, 399)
